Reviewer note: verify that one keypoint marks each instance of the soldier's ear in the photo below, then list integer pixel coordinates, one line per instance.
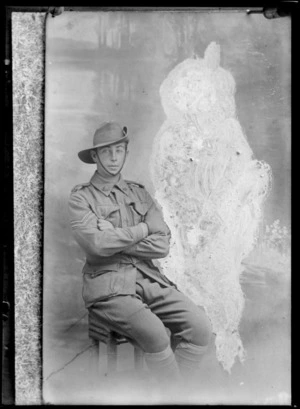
(93, 156)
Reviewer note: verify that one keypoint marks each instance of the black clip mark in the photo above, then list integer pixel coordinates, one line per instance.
(55, 11)
(5, 310)
(283, 10)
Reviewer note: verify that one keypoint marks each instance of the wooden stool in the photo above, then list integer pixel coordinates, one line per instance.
(101, 333)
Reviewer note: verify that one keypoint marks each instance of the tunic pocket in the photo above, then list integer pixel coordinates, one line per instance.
(101, 285)
(138, 210)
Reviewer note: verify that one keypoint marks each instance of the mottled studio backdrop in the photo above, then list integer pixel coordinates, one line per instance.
(109, 66)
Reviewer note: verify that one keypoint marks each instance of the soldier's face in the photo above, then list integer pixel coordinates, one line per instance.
(112, 157)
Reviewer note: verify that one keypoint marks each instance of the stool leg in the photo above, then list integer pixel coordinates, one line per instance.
(94, 357)
(138, 359)
(111, 355)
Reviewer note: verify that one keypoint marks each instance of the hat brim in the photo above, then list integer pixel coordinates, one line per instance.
(85, 155)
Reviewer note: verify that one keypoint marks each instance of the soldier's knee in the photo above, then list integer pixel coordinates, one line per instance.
(201, 330)
(152, 338)
(157, 343)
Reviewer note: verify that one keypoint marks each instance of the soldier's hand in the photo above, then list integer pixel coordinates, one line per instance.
(154, 221)
(104, 224)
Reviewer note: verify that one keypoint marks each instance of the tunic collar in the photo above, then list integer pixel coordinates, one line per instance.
(106, 186)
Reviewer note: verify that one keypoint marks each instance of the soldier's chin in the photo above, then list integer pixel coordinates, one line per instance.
(114, 169)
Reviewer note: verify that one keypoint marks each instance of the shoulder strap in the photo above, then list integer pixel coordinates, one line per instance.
(130, 182)
(80, 186)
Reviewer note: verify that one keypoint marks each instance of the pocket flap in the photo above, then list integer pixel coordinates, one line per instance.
(140, 208)
(96, 270)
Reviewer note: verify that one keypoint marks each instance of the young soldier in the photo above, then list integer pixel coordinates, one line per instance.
(120, 229)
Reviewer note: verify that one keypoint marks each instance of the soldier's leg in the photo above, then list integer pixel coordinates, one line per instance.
(188, 323)
(129, 316)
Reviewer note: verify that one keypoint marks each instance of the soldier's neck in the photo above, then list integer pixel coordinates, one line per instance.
(105, 177)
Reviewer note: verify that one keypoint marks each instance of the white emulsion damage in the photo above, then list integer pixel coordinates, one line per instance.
(211, 190)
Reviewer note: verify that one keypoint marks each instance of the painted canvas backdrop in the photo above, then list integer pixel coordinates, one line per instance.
(109, 66)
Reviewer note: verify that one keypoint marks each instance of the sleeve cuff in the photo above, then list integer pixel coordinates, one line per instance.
(139, 232)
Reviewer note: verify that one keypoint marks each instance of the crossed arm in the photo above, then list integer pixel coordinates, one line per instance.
(155, 245)
(99, 237)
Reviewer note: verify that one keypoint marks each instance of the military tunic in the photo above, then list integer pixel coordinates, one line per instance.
(114, 256)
